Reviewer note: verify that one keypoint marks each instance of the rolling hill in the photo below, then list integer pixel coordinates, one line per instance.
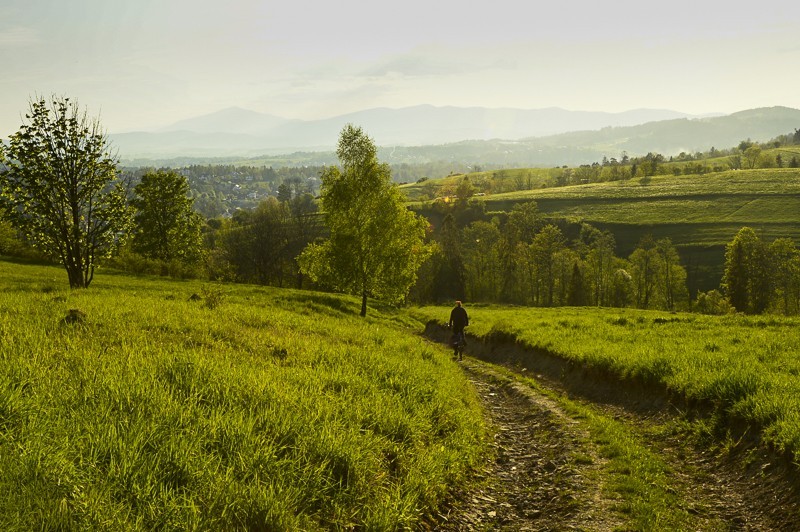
(500, 137)
(236, 131)
(700, 214)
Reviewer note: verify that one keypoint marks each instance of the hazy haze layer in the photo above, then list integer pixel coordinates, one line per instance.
(142, 65)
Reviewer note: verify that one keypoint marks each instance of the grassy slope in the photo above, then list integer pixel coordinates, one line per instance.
(496, 181)
(275, 410)
(766, 198)
(749, 367)
(700, 214)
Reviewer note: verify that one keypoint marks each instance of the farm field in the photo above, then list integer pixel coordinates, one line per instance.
(498, 181)
(252, 408)
(747, 369)
(767, 200)
(700, 214)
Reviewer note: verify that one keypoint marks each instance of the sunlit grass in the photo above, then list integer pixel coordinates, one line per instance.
(275, 410)
(748, 368)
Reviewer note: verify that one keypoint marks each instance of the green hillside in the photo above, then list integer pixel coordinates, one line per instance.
(690, 135)
(585, 147)
(765, 196)
(743, 370)
(249, 409)
(700, 213)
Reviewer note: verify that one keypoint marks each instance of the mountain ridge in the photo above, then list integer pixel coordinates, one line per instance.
(470, 135)
(407, 126)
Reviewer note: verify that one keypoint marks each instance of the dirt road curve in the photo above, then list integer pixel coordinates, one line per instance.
(544, 476)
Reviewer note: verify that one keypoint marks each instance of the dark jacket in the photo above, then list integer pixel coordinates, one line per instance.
(458, 319)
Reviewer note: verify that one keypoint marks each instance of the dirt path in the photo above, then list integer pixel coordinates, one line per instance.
(544, 475)
(533, 482)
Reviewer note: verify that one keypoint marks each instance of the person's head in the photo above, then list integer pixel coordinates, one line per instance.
(458, 303)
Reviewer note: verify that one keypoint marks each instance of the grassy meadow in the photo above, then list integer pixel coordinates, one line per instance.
(766, 199)
(252, 408)
(495, 181)
(748, 368)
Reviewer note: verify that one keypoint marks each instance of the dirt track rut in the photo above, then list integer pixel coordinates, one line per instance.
(544, 475)
(533, 481)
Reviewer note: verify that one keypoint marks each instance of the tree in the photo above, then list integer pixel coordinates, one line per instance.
(483, 267)
(747, 277)
(465, 190)
(61, 189)
(651, 163)
(672, 275)
(450, 274)
(735, 161)
(598, 249)
(376, 244)
(576, 293)
(753, 155)
(305, 227)
(546, 246)
(257, 244)
(786, 274)
(734, 280)
(284, 192)
(166, 227)
(620, 288)
(524, 221)
(643, 271)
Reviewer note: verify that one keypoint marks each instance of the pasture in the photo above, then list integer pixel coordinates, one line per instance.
(745, 369)
(766, 198)
(699, 213)
(250, 408)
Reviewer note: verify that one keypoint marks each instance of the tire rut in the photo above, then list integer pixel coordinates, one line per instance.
(545, 474)
(534, 480)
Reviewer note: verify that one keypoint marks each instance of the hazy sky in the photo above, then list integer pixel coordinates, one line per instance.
(142, 64)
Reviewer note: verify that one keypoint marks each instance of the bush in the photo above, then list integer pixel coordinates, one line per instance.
(712, 302)
(212, 296)
(132, 262)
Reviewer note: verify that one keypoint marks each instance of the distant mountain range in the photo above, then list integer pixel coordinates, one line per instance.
(240, 132)
(668, 137)
(480, 135)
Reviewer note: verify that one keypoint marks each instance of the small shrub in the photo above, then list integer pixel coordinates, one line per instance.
(74, 317)
(212, 296)
(713, 302)
(622, 321)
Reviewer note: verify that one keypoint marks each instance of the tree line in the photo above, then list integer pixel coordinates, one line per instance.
(525, 259)
(759, 277)
(62, 191)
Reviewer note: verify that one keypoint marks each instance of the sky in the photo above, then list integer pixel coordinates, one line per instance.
(144, 64)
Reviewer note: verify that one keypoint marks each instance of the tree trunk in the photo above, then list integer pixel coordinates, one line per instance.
(363, 304)
(75, 277)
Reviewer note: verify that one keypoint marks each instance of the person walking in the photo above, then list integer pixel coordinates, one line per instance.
(458, 320)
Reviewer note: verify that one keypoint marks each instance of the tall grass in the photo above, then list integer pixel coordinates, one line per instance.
(748, 368)
(274, 410)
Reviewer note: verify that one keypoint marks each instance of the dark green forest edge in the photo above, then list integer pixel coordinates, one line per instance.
(295, 410)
